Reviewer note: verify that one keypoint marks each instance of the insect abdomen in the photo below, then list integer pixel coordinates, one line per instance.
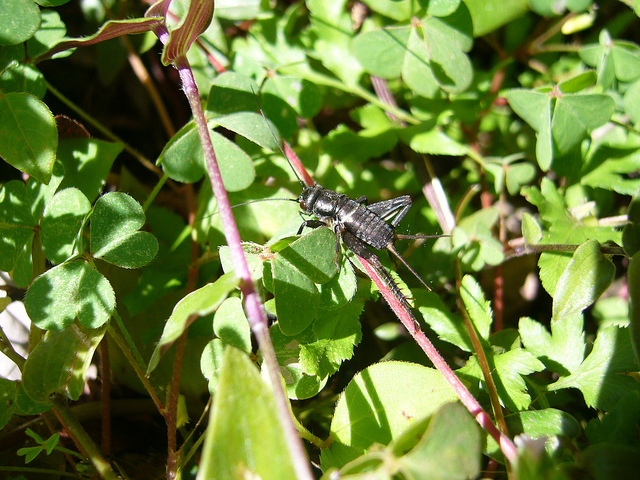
(366, 225)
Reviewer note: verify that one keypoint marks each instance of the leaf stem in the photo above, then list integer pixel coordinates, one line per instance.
(138, 367)
(82, 439)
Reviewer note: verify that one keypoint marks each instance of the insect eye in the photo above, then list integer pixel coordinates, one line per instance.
(303, 205)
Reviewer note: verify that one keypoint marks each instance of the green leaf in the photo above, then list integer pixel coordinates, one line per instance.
(17, 227)
(19, 20)
(28, 135)
(51, 31)
(630, 100)
(69, 291)
(633, 278)
(343, 143)
(624, 58)
(382, 52)
(547, 423)
(61, 224)
(561, 226)
(314, 255)
(384, 400)
(304, 96)
(25, 405)
(332, 29)
(426, 53)
(478, 309)
(296, 270)
(607, 461)
(296, 296)
(586, 277)
(489, 15)
(341, 289)
(450, 448)
(200, 302)
(448, 326)
(612, 169)
(575, 115)
(474, 240)
(578, 83)
(563, 350)
(59, 363)
(87, 162)
(115, 238)
(531, 230)
(244, 434)
(299, 384)
(619, 425)
(182, 159)
(231, 326)
(8, 392)
(211, 362)
(508, 370)
(551, 427)
(631, 231)
(257, 221)
(337, 333)
(241, 10)
(23, 78)
(399, 10)
(431, 140)
(599, 376)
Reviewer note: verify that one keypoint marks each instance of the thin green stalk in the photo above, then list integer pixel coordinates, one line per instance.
(154, 193)
(7, 349)
(84, 440)
(357, 90)
(138, 367)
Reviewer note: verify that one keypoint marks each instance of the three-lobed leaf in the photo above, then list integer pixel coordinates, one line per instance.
(115, 235)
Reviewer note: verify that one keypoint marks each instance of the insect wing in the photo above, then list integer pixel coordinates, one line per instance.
(388, 208)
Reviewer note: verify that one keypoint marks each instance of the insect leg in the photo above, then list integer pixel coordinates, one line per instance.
(392, 249)
(311, 224)
(360, 249)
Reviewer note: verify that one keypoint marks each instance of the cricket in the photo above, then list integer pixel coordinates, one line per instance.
(361, 226)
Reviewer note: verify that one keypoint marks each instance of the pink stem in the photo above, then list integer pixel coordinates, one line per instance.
(253, 305)
(407, 319)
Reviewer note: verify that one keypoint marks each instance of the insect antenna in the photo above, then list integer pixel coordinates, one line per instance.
(304, 185)
(258, 200)
(418, 237)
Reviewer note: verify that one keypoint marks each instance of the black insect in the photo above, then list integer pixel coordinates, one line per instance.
(361, 226)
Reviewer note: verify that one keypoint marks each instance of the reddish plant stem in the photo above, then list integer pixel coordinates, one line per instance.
(253, 305)
(407, 319)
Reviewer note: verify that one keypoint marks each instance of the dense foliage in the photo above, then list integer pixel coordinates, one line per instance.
(512, 125)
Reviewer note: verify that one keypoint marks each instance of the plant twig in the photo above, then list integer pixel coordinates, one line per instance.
(408, 320)
(83, 440)
(253, 306)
